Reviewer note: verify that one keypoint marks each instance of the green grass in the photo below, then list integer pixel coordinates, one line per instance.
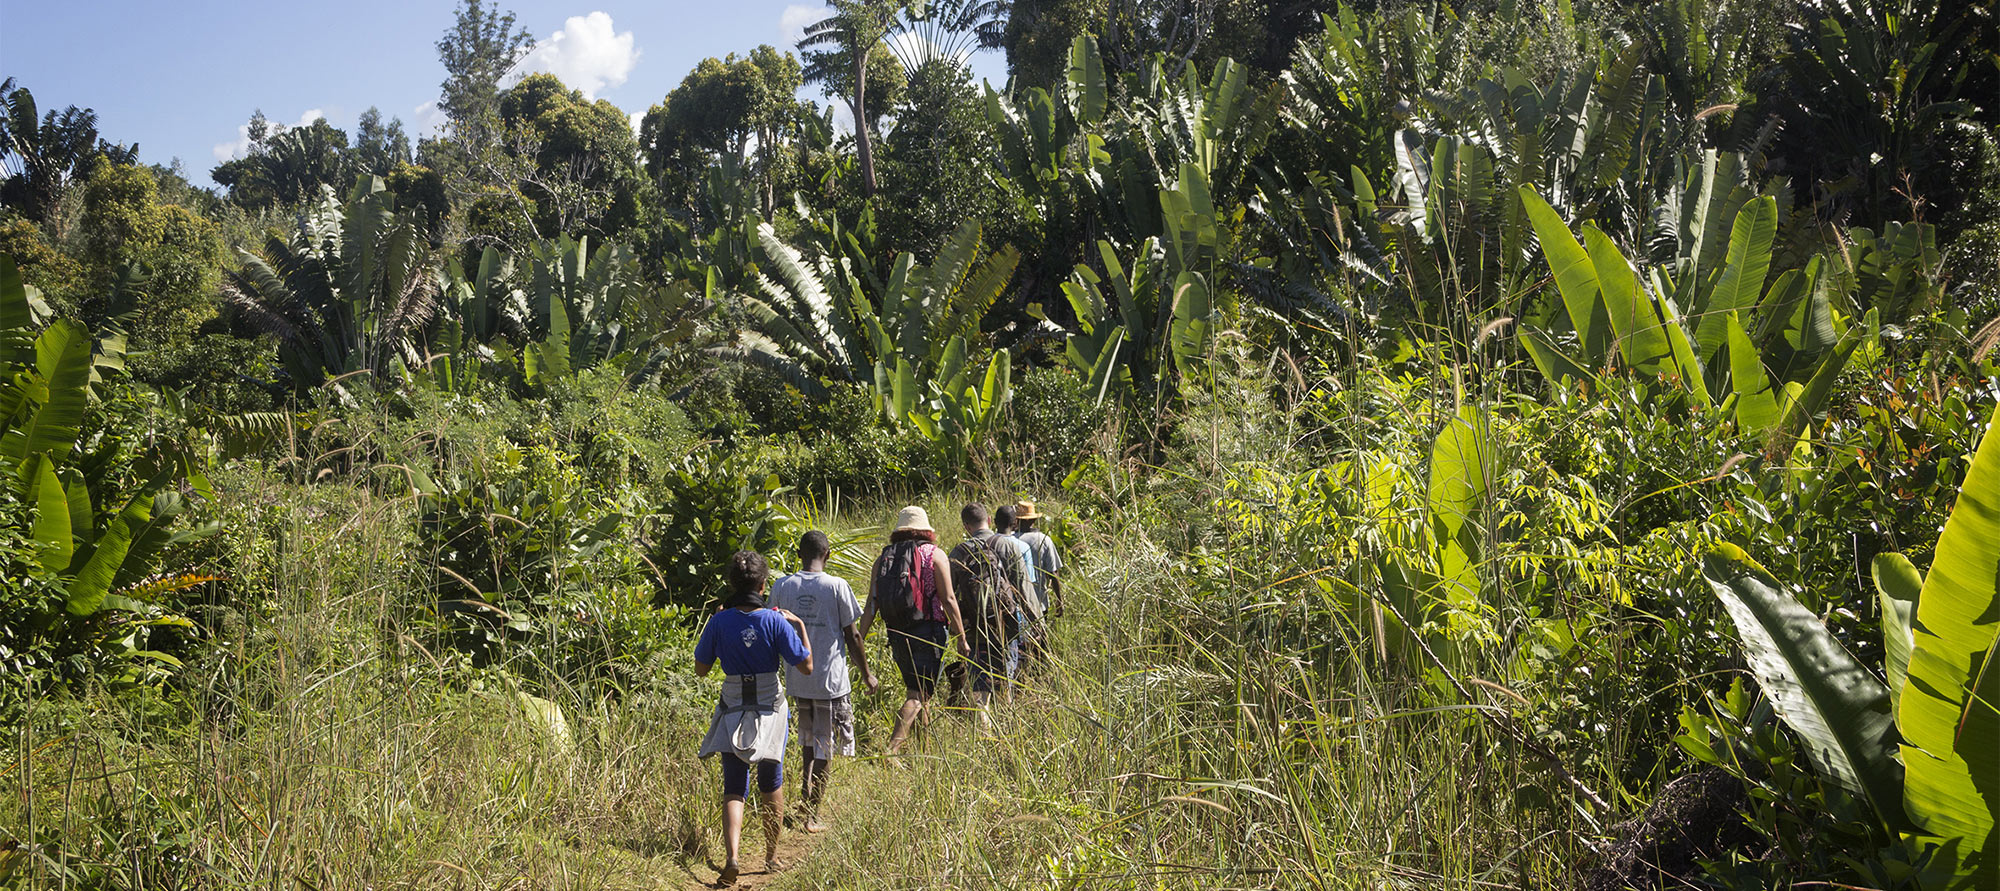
(339, 746)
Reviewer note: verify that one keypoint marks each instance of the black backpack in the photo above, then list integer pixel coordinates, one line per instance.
(898, 596)
(984, 594)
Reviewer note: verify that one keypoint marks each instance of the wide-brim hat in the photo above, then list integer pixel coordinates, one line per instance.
(1025, 510)
(913, 519)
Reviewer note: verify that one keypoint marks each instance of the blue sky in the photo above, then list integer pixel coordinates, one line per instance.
(181, 77)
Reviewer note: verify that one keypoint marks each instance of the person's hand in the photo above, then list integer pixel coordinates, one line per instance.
(874, 685)
(964, 649)
(784, 613)
(1055, 612)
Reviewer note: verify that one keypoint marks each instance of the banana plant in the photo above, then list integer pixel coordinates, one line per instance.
(1623, 315)
(962, 409)
(816, 318)
(347, 292)
(1920, 748)
(98, 559)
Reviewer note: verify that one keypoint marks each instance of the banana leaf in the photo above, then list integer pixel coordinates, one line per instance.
(1086, 80)
(1897, 586)
(1950, 710)
(1742, 283)
(1757, 404)
(54, 542)
(1575, 275)
(62, 359)
(1838, 708)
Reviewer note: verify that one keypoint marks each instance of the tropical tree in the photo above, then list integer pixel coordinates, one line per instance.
(41, 158)
(479, 49)
(575, 161)
(286, 166)
(726, 106)
(347, 292)
(846, 40)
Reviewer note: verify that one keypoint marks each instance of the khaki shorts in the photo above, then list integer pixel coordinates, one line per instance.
(826, 726)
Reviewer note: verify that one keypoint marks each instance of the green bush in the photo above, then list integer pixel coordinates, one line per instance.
(702, 512)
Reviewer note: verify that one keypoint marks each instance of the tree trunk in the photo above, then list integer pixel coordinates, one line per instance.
(861, 146)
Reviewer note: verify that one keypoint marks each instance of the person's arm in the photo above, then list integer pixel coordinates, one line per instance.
(701, 669)
(859, 653)
(805, 662)
(1055, 594)
(942, 567)
(868, 614)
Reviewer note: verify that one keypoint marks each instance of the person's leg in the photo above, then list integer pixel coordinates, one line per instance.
(735, 786)
(808, 791)
(821, 769)
(771, 779)
(906, 720)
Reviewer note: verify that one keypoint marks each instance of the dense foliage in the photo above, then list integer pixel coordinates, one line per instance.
(1592, 404)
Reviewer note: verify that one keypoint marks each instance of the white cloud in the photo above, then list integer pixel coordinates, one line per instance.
(637, 117)
(793, 21)
(588, 54)
(240, 146)
(428, 119)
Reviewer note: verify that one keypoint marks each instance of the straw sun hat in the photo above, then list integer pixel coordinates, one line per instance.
(913, 519)
(1025, 510)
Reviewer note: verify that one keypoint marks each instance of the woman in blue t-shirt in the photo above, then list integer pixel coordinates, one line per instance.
(751, 721)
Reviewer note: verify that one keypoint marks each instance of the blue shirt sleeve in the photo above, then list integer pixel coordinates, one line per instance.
(788, 644)
(704, 649)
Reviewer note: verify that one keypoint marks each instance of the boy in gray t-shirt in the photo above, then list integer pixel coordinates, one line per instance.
(820, 701)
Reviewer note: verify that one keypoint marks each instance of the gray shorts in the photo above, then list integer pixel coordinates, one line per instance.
(825, 725)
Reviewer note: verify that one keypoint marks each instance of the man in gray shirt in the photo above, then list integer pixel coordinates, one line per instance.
(1048, 580)
(827, 606)
(993, 573)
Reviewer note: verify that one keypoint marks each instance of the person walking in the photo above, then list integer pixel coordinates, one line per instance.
(750, 722)
(1030, 608)
(820, 701)
(990, 570)
(910, 589)
(1047, 593)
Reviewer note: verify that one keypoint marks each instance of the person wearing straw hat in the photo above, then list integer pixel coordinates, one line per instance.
(910, 589)
(1047, 588)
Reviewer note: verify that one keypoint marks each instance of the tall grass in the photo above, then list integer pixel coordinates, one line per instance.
(1202, 724)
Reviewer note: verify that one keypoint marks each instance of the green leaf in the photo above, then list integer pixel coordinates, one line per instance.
(1897, 584)
(1757, 406)
(86, 592)
(55, 545)
(1839, 710)
(1576, 277)
(1459, 460)
(1556, 366)
(1106, 366)
(1086, 80)
(1641, 338)
(997, 387)
(1950, 711)
(1743, 273)
(62, 358)
(1800, 411)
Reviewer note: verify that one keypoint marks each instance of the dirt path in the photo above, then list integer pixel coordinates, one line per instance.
(794, 846)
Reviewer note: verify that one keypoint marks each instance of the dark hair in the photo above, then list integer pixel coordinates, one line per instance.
(1003, 519)
(974, 514)
(747, 574)
(813, 545)
(913, 535)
